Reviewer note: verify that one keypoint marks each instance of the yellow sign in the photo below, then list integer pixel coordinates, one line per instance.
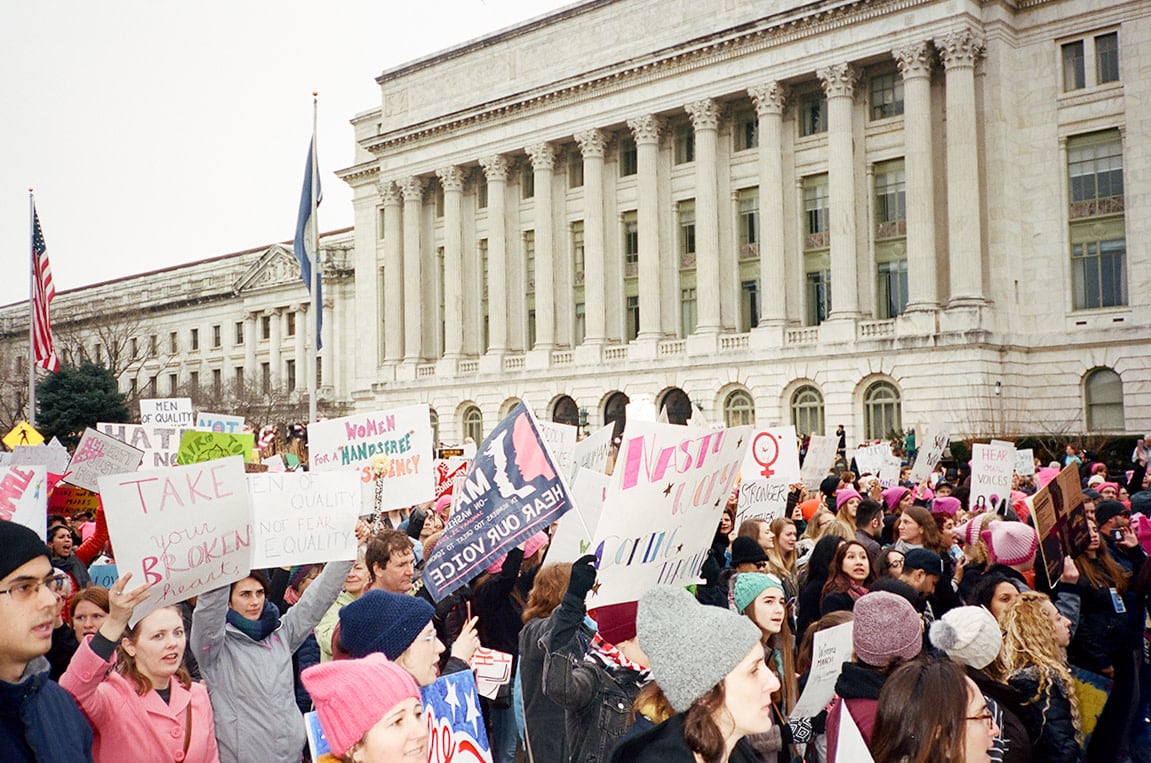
(23, 434)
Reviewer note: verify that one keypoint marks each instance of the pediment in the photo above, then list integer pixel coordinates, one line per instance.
(276, 267)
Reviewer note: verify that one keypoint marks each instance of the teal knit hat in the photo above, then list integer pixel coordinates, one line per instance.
(748, 585)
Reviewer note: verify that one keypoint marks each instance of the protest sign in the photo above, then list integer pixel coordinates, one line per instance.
(830, 649)
(1025, 462)
(186, 529)
(889, 470)
(773, 455)
(275, 464)
(159, 444)
(220, 422)
(103, 575)
(68, 499)
(390, 450)
(456, 731)
(24, 496)
(871, 458)
(512, 491)
(932, 446)
(22, 434)
(198, 447)
(98, 454)
(304, 517)
(167, 412)
(761, 499)
(449, 473)
(821, 451)
(572, 538)
(662, 507)
(493, 670)
(560, 440)
(851, 744)
(991, 469)
(53, 456)
(318, 746)
(592, 452)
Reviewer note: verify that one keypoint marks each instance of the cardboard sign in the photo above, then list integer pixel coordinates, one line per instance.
(68, 500)
(304, 517)
(1060, 518)
(493, 670)
(456, 730)
(186, 529)
(198, 447)
(220, 422)
(594, 451)
(932, 447)
(992, 467)
(167, 412)
(561, 441)
(830, 649)
(1025, 462)
(159, 444)
(761, 499)
(103, 575)
(22, 434)
(773, 455)
(393, 447)
(513, 490)
(821, 451)
(97, 455)
(663, 504)
(24, 497)
(573, 534)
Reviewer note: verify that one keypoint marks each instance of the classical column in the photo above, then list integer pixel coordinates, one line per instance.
(959, 51)
(275, 339)
(922, 280)
(250, 348)
(298, 349)
(839, 85)
(769, 99)
(705, 119)
(543, 158)
(393, 274)
(496, 171)
(646, 130)
(591, 145)
(412, 189)
(452, 180)
(328, 370)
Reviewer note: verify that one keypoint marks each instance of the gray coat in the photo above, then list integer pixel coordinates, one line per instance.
(251, 683)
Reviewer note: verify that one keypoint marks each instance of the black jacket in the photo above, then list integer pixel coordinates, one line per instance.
(1011, 728)
(545, 734)
(1047, 719)
(665, 744)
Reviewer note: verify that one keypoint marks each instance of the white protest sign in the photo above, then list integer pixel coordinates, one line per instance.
(166, 412)
(159, 444)
(761, 499)
(851, 745)
(830, 649)
(889, 470)
(220, 422)
(275, 464)
(185, 529)
(24, 496)
(773, 455)
(97, 455)
(572, 538)
(52, 455)
(304, 517)
(560, 439)
(992, 467)
(593, 451)
(870, 459)
(1025, 462)
(493, 670)
(820, 458)
(391, 447)
(662, 507)
(931, 449)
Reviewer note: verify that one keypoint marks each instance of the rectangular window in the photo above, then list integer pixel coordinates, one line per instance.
(1095, 170)
(1107, 58)
(151, 388)
(748, 305)
(632, 311)
(217, 381)
(1097, 274)
(812, 114)
(630, 238)
(686, 214)
(217, 336)
(99, 353)
(265, 327)
(575, 169)
(380, 218)
(580, 322)
(173, 342)
(238, 375)
(747, 200)
(530, 260)
(319, 371)
(688, 312)
(892, 287)
(265, 377)
(194, 381)
(153, 346)
(439, 201)
(135, 345)
(1074, 74)
(816, 211)
(482, 192)
(195, 339)
(291, 324)
(886, 96)
(527, 181)
(173, 383)
(628, 158)
(818, 296)
(239, 333)
(132, 386)
(578, 262)
(890, 200)
(684, 144)
(746, 130)
(290, 372)
(531, 328)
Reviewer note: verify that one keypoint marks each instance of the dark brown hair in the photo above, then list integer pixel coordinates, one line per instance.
(381, 547)
(548, 589)
(837, 582)
(700, 730)
(259, 577)
(807, 646)
(126, 663)
(921, 716)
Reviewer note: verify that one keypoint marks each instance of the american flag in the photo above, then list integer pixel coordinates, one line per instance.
(43, 294)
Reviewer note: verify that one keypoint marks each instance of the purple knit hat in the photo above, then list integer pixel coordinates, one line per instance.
(893, 495)
(845, 495)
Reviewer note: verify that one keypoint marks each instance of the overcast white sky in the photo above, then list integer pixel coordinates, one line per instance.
(157, 132)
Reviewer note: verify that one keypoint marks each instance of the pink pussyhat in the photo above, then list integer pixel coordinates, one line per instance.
(531, 546)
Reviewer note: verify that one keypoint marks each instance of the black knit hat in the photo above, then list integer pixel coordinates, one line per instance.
(18, 546)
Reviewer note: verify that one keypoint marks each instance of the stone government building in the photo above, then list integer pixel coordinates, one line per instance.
(877, 213)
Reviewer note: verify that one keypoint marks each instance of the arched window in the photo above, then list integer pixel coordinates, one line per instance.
(506, 408)
(882, 411)
(565, 411)
(1103, 393)
(677, 404)
(739, 409)
(807, 411)
(473, 424)
(615, 412)
(435, 419)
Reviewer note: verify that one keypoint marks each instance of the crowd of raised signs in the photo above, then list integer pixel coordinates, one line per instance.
(557, 600)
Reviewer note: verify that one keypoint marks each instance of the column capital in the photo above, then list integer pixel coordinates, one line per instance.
(412, 188)
(542, 155)
(645, 129)
(838, 80)
(389, 192)
(961, 48)
(451, 178)
(704, 114)
(495, 167)
(591, 143)
(769, 98)
(915, 60)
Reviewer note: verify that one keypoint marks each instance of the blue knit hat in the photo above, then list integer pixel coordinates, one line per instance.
(748, 585)
(382, 621)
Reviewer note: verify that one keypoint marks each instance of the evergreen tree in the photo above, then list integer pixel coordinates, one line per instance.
(77, 397)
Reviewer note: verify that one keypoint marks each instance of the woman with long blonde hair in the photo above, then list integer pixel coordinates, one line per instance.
(782, 556)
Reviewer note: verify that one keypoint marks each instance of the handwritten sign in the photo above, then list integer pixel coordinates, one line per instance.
(103, 575)
(830, 649)
(573, 534)
(991, 469)
(186, 529)
(24, 496)
(456, 730)
(761, 499)
(100, 454)
(1025, 462)
(220, 422)
(399, 441)
(1060, 517)
(159, 444)
(171, 411)
(931, 449)
(68, 500)
(198, 447)
(304, 517)
(561, 441)
(593, 451)
(820, 458)
(871, 458)
(513, 490)
(493, 670)
(773, 455)
(663, 503)
(53, 456)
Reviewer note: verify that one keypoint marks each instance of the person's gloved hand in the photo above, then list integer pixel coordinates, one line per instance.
(583, 575)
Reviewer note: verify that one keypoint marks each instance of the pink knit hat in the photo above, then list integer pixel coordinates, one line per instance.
(443, 505)
(845, 495)
(1011, 543)
(969, 531)
(893, 495)
(352, 695)
(945, 505)
(531, 545)
(1043, 476)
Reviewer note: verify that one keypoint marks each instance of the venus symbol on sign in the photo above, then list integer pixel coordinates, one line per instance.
(765, 451)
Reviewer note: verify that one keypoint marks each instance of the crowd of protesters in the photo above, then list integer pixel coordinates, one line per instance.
(965, 649)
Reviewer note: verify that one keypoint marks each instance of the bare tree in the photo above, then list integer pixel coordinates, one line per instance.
(124, 343)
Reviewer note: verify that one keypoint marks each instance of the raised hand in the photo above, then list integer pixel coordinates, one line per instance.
(121, 605)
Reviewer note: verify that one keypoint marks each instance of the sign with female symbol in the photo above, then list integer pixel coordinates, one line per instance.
(773, 455)
(765, 451)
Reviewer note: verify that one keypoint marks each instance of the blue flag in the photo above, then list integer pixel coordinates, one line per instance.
(305, 223)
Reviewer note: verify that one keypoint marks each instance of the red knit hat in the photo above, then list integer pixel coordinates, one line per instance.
(352, 695)
(616, 622)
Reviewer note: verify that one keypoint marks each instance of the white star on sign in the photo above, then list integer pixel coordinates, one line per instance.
(452, 700)
(473, 714)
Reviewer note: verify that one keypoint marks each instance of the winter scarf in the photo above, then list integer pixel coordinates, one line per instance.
(257, 630)
(610, 658)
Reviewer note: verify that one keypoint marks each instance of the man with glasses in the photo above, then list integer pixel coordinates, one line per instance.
(39, 721)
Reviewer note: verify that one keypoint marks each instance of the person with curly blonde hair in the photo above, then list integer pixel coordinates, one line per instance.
(1035, 637)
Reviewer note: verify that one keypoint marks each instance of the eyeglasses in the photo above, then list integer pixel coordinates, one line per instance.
(29, 588)
(986, 716)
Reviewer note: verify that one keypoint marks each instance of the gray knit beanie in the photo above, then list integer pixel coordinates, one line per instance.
(690, 647)
(969, 635)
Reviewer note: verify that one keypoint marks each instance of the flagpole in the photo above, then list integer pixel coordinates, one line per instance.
(313, 384)
(31, 419)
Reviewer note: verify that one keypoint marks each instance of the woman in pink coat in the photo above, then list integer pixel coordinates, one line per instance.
(147, 708)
